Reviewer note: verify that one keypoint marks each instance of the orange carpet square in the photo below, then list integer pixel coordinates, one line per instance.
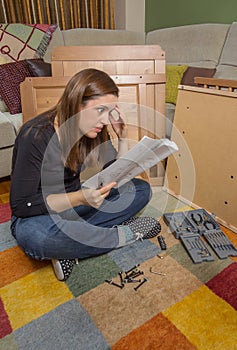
(15, 264)
(157, 333)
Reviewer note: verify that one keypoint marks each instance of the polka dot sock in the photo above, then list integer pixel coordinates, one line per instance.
(144, 227)
(62, 268)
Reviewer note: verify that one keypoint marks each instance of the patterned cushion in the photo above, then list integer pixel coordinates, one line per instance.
(3, 107)
(3, 60)
(11, 75)
(20, 41)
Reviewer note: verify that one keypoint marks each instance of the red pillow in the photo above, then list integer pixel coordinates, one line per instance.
(192, 72)
(11, 75)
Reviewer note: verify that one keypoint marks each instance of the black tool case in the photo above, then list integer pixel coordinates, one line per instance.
(196, 228)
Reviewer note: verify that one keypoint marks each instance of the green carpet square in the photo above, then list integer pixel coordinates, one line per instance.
(90, 273)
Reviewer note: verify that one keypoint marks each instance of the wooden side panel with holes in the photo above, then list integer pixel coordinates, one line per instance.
(204, 171)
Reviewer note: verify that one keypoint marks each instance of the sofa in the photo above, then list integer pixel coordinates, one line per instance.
(199, 49)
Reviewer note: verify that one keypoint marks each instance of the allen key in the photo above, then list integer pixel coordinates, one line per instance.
(157, 273)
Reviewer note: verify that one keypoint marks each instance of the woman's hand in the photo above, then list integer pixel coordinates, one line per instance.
(95, 198)
(86, 196)
(118, 124)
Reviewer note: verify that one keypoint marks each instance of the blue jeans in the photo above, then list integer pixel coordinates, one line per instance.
(83, 231)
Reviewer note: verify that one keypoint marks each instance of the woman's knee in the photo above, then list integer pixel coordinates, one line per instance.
(143, 186)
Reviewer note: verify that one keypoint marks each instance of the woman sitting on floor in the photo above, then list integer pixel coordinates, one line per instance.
(53, 217)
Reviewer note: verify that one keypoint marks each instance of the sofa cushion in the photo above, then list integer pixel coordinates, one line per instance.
(3, 60)
(15, 119)
(89, 36)
(226, 72)
(39, 68)
(20, 41)
(56, 40)
(192, 72)
(7, 132)
(229, 52)
(5, 161)
(3, 106)
(196, 45)
(174, 75)
(11, 75)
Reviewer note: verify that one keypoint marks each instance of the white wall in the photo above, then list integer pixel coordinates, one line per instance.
(130, 15)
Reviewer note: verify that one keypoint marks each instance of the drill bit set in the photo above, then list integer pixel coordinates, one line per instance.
(192, 226)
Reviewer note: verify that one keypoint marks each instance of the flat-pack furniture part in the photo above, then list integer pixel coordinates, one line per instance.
(204, 171)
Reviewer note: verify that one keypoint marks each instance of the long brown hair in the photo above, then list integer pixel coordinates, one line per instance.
(85, 85)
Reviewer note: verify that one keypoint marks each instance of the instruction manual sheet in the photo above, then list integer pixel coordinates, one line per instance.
(145, 154)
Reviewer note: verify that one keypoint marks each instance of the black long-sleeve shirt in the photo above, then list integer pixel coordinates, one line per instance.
(38, 169)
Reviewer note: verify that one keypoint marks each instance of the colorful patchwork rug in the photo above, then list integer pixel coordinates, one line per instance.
(183, 306)
(20, 41)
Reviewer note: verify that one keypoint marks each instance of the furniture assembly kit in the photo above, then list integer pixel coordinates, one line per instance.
(198, 232)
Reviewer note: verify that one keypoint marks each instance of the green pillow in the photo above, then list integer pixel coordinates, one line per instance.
(174, 75)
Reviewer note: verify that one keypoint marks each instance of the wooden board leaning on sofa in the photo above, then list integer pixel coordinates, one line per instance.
(41, 93)
(204, 171)
(117, 60)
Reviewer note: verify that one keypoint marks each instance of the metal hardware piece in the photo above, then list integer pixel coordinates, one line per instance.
(133, 268)
(136, 273)
(114, 284)
(157, 273)
(121, 278)
(144, 280)
(130, 280)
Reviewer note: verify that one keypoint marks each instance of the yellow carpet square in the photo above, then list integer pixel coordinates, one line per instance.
(206, 320)
(184, 208)
(32, 296)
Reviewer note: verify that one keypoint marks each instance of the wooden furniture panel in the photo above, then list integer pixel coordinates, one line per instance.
(204, 171)
(118, 59)
(217, 84)
(41, 93)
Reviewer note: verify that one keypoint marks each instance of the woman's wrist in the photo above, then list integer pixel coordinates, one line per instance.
(122, 146)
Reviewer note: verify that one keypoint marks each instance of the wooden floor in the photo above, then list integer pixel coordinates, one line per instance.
(4, 190)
